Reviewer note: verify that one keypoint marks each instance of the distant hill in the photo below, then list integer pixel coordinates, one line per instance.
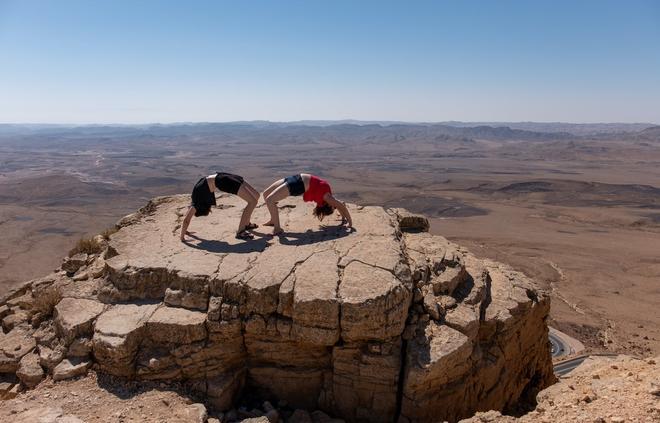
(384, 131)
(572, 128)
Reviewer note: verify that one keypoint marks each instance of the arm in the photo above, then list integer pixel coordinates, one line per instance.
(341, 208)
(186, 222)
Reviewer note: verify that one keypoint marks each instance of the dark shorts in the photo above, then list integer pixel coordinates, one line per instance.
(227, 182)
(202, 197)
(295, 184)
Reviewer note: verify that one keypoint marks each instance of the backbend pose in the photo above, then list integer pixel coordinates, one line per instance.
(203, 198)
(312, 188)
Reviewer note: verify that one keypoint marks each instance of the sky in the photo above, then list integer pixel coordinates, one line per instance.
(142, 61)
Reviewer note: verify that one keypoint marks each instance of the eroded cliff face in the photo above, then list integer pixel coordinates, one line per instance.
(385, 323)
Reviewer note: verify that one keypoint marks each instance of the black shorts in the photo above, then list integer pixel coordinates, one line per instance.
(202, 197)
(228, 182)
(295, 184)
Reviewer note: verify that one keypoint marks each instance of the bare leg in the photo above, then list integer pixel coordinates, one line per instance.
(254, 194)
(253, 191)
(280, 193)
(268, 191)
(272, 187)
(245, 193)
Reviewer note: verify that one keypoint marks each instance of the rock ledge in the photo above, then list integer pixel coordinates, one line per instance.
(386, 322)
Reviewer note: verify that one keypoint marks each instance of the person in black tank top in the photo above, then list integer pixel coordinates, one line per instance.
(203, 199)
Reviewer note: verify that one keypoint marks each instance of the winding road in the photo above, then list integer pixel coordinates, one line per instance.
(563, 345)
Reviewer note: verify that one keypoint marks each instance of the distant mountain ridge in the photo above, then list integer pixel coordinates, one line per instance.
(532, 131)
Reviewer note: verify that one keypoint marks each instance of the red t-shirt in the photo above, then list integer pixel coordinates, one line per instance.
(317, 189)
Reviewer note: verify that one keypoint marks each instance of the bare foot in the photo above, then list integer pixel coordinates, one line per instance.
(269, 223)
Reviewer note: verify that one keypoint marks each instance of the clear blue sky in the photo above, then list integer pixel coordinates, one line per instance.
(160, 61)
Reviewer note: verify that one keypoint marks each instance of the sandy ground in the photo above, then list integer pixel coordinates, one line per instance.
(113, 401)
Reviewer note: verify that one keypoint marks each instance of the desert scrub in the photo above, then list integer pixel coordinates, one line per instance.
(92, 245)
(86, 245)
(106, 234)
(45, 299)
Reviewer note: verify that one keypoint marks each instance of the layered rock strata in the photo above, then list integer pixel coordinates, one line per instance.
(387, 322)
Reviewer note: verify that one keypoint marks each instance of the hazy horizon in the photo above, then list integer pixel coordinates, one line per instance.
(326, 121)
(80, 62)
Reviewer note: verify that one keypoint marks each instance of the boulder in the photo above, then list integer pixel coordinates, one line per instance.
(411, 222)
(29, 371)
(8, 390)
(195, 413)
(74, 317)
(70, 368)
(117, 335)
(14, 319)
(13, 346)
(80, 347)
(25, 301)
(72, 264)
(49, 358)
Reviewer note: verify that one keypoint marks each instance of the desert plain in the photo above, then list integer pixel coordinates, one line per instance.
(577, 207)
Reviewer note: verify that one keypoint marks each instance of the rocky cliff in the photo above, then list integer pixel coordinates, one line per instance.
(601, 390)
(384, 323)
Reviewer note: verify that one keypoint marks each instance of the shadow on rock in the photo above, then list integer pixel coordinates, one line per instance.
(256, 245)
(311, 237)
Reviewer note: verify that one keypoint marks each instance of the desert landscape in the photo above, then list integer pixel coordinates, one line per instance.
(577, 207)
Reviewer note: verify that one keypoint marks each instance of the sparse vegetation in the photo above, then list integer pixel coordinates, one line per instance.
(86, 245)
(91, 245)
(45, 299)
(106, 234)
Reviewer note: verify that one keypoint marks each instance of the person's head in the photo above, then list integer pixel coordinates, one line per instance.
(202, 210)
(323, 210)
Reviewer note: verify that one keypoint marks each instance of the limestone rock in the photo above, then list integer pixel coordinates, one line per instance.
(362, 325)
(49, 358)
(181, 298)
(411, 222)
(30, 372)
(73, 317)
(196, 413)
(8, 390)
(4, 311)
(176, 326)
(70, 368)
(13, 346)
(117, 335)
(262, 419)
(315, 306)
(601, 389)
(80, 347)
(45, 335)
(374, 303)
(25, 301)
(71, 264)
(15, 319)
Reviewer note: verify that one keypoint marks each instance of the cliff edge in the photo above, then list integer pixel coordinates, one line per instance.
(384, 323)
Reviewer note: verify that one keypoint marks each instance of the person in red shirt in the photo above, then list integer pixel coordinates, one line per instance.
(313, 189)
